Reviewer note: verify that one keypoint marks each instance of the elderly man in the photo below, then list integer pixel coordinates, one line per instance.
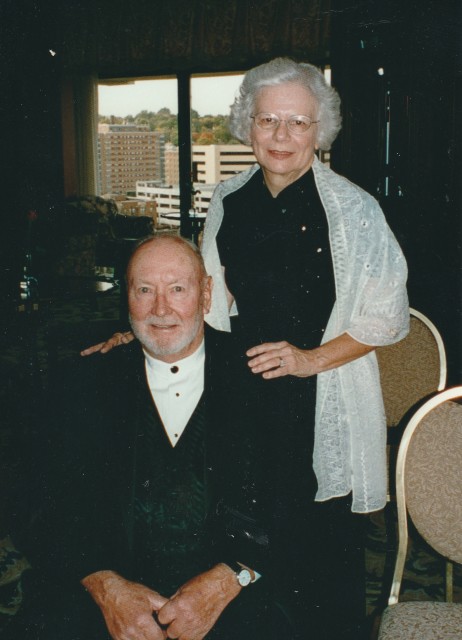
(135, 501)
(168, 294)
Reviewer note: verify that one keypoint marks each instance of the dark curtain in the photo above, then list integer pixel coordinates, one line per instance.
(153, 37)
(401, 138)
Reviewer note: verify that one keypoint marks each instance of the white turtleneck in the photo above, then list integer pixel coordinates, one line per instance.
(176, 389)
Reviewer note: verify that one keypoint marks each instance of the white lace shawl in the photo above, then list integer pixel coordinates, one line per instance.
(371, 305)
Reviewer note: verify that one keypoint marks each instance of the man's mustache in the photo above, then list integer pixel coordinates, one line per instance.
(161, 322)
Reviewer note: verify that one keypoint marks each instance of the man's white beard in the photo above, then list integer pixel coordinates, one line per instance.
(156, 347)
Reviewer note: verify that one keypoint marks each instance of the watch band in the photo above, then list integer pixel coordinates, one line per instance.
(244, 575)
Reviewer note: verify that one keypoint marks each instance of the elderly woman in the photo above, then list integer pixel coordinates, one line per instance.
(317, 280)
(308, 262)
(313, 279)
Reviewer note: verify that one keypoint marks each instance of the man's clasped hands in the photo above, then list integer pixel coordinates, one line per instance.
(132, 611)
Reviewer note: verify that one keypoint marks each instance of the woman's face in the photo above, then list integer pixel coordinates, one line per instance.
(280, 153)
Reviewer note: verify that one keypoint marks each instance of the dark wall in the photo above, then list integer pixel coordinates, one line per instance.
(416, 103)
(30, 104)
(418, 45)
(31, 157)
(43, 42)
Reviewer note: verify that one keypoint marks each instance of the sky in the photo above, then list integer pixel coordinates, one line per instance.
(211, 95)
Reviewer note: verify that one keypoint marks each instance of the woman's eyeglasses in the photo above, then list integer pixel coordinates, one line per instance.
(295, 124)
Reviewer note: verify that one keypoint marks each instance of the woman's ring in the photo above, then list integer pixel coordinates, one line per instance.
(281, 362)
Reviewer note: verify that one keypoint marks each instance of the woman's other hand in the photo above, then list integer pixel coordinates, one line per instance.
(277, 359)
(115, 341)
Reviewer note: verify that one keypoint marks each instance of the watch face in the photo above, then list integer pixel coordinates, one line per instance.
(244, 578)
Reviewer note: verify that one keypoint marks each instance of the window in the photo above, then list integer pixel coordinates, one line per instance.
(138, 130)
(137, 120)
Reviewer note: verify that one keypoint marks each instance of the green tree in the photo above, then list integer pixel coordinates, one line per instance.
(208, 129)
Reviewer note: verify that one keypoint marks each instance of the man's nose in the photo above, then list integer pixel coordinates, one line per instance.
(160, 305)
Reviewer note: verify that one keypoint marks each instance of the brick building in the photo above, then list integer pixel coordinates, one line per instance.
(127, 153)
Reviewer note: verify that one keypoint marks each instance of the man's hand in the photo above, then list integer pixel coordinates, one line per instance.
(114, 341)
(193, 610)
(127, 607)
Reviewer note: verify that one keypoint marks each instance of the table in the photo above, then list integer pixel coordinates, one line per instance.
(170, 218)
(121, 249)
(65, 288)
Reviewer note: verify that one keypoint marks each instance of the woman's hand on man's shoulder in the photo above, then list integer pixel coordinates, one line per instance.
(116, 340)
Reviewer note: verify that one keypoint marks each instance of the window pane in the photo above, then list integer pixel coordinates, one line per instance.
(216, 154)
(138, 141)
(137, 122)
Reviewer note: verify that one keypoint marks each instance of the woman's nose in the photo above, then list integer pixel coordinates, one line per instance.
(282, 130)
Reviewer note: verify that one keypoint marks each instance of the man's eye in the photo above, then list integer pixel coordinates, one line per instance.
(144, 289)
(178, 289)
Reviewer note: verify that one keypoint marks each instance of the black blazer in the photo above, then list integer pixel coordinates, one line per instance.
(83, 517)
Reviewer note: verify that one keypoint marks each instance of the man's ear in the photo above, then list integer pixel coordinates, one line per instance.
(207, 294)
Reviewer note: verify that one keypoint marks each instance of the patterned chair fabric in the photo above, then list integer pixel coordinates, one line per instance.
(411, 369)
(87, 226)
(84, 224)
(433, 457)
(422, 621)
(429, 491)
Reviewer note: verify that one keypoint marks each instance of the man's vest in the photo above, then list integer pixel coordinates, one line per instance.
(170, 498)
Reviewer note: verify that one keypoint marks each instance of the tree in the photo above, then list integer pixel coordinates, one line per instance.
(207, 129)
(205, 137)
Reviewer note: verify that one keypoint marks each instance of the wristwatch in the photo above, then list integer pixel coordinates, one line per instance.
(244, 576)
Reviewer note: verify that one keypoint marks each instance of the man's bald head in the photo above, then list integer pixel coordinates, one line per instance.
(168, 294)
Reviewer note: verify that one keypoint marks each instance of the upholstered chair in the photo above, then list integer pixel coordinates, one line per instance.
(429, 493)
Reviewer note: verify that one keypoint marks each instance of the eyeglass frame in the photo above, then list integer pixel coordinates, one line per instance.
(279, 120)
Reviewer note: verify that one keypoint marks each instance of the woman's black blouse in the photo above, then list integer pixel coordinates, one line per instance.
(277, 261)
(278, 266)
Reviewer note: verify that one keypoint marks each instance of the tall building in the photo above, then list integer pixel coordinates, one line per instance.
(171, 163)
(214, 163)
(168, 198)
(127, 153)
(211, 164)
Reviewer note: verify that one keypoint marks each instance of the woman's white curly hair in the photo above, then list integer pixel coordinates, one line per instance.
(282, 71)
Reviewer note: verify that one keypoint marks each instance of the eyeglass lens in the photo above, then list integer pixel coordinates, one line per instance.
(295, 124)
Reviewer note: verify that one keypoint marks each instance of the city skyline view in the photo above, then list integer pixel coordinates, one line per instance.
(210, 95)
